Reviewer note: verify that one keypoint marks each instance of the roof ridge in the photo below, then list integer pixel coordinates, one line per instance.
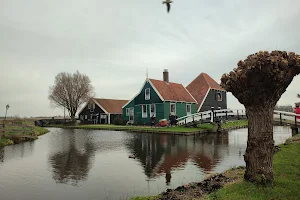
(205, 78)
(164, 81)
(204, 75)
(110, 99)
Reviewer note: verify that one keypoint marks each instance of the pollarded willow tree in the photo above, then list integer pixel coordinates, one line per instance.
(71, 91)
(258, 83)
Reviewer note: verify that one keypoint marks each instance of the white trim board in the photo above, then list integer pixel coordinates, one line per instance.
(146, 81)
(100, 106)
(203, 100)
(154, 88)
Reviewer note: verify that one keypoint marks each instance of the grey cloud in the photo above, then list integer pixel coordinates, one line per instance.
(114, 42)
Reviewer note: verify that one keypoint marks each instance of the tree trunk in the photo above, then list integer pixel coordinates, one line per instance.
(73, 117)
(260, 146)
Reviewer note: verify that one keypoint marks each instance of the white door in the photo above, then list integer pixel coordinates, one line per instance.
(131, 114)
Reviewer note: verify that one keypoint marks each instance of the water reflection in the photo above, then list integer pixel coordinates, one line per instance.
(99, 159)
(161, 154)
(1, 155)
(17, 151)
(72, 158)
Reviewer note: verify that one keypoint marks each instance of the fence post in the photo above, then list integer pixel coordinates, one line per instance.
(296, 126)
(238, 114)
(193, 119)
(226, 115)
(280, 117)
(2, 126)
(185, 121)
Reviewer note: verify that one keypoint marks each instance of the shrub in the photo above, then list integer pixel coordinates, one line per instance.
(119, 121)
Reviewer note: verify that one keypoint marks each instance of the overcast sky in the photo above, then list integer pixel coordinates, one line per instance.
(115, 41)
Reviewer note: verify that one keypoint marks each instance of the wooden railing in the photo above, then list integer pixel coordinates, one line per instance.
(228, 114)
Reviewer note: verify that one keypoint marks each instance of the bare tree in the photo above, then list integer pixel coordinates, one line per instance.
(258, 82)
(70, 91)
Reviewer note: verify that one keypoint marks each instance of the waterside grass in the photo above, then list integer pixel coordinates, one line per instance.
(287, 178)
(15, 132)
(176, 129)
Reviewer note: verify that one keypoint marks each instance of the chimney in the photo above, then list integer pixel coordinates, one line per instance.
(166, 76)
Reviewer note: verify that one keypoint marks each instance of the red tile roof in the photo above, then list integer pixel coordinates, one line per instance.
(112, 105)
(172, 91)
(200, 86)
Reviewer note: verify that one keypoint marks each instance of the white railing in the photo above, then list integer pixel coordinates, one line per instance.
(225, 113)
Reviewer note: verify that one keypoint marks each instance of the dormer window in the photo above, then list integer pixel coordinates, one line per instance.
(147, 94)
(219, 96)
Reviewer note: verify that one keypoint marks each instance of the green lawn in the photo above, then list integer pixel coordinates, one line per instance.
(158, 129)
(177, 129)
(13, 131)
(232, 124)
(287, 179)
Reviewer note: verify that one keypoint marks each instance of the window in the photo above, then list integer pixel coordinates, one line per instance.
(188, 109)
(147, 94)
(219, 96)
(127, 111)
(85, 116)
(92, 107)
(144, 111)
(173, 108)
(81, 117)
(153, 110)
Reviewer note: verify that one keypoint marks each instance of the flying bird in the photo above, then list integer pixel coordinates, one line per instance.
(168, 3)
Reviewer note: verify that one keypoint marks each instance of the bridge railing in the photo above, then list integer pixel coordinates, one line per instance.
(215, 115)
(286, 117)
(212, 115)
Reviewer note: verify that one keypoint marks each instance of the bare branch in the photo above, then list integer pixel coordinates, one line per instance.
(71, 91)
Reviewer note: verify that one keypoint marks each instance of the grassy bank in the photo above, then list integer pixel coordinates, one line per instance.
(14, 133)
(234, 124)
(286, 186)
(177, 129)
(287, 178)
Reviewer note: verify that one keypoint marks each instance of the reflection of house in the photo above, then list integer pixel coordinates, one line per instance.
(101, 111)
(208, 93)
(159, 98)
(164, 154)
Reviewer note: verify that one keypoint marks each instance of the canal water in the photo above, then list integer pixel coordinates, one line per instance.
(94, 165)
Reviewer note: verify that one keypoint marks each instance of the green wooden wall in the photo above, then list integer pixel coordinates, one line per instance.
(154, 98)
(162, 108)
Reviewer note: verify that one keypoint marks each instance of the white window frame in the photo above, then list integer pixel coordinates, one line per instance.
(147, 97)
(188, 105)
(144, 114)
(173, 113)
(127, 111)
(154, 112)
(221, 96)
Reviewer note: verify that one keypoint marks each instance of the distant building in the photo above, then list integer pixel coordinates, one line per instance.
(285, 108)
(101, 111)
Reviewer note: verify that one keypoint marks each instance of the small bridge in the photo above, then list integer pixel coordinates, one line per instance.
(234, 114)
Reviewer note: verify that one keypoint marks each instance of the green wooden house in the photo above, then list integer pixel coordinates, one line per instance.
(159, 98)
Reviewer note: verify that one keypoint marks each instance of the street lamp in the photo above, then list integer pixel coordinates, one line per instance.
(7, 107)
